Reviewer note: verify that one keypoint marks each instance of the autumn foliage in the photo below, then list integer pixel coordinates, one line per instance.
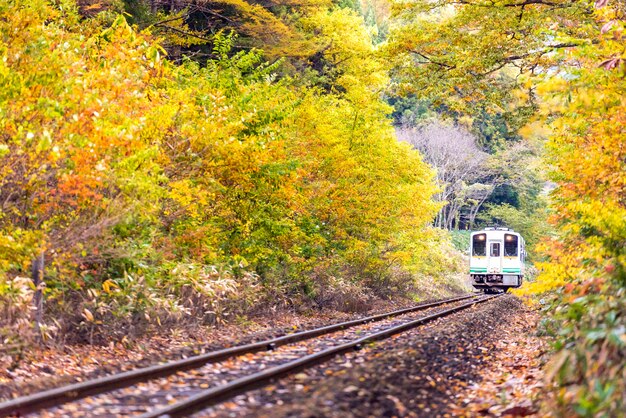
(163, 174)
(158, 190)
(587, 151)
(557, 66)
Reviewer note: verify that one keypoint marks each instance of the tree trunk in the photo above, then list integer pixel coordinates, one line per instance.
(38, 279)
(474, 210)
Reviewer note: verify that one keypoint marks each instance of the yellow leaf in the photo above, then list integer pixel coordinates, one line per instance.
(88, 315)
(108, 285)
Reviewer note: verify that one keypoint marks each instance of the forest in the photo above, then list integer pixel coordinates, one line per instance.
(166, 162)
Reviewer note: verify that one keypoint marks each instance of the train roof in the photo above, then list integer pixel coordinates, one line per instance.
(496, 229)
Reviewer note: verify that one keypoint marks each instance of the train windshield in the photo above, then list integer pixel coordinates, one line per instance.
(495, 249)
(510, 245)
(479, 245)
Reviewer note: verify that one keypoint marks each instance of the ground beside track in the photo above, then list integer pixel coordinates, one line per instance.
(473, 365)
(59, 364)
(158, 393)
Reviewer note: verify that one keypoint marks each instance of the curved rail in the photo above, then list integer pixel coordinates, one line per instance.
(64, 394)
(221, 393)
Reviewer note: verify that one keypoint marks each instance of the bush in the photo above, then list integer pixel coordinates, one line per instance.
(461, 240)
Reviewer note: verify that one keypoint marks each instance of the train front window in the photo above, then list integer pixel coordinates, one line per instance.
(479, 245)
(495, 249)
(510, 245)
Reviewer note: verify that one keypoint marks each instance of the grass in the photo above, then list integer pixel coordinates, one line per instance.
(461, 240)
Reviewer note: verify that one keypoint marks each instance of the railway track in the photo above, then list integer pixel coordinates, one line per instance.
(182, 387)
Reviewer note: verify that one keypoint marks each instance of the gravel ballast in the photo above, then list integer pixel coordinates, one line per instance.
(421, 373)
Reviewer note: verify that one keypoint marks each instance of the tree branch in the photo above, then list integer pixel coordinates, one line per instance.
(432, 61)
(528, 2)
(169, 20)
(518, 4)
(182, 32)
(204, 9)
(513, 58)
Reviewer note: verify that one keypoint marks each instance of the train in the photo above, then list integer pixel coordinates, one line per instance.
(496, 259)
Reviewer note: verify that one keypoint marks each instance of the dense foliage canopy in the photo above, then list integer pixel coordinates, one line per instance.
(171, 187)
(558, 67)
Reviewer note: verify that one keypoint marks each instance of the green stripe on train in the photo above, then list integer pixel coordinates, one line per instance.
(511, 270)
(478, 270)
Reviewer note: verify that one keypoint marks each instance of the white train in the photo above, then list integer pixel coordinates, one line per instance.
(496, 259)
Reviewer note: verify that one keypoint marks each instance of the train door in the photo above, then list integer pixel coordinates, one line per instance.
(495, 256)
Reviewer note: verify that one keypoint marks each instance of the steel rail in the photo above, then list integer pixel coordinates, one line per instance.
(72, 392)
(221, 393)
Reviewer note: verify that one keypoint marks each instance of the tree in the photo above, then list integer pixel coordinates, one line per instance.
(476, 55)
(458, 161)
(68, 172)
(561, 62)
(476, 196)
